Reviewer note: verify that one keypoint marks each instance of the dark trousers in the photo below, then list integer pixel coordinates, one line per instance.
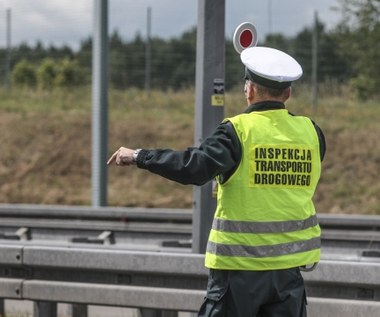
(279, 293)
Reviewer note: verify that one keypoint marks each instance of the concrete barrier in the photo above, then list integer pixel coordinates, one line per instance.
(164, 281)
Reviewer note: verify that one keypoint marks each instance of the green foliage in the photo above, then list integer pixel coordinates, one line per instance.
(24, 74)
(278, 41)
(49, 74)
(46, 74)
(69, 74)
(117, 61)
(358, 37)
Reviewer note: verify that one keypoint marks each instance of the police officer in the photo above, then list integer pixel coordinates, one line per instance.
(267, 163)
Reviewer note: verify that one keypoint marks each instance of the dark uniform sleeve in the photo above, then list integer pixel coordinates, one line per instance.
(220, 153)
(322, 141)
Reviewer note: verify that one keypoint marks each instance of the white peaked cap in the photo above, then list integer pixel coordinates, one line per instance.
(270, 67)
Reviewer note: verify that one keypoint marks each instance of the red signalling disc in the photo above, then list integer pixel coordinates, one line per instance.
(245, 36)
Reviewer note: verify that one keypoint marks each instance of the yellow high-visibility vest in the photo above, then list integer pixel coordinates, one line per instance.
(265, 217)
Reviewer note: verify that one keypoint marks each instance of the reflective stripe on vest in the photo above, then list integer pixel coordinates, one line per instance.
(263, 251)
(263, 227)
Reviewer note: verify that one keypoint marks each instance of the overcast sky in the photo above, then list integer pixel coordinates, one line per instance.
(68, 22)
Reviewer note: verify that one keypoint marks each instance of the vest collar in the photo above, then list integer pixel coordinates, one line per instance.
(265, 105)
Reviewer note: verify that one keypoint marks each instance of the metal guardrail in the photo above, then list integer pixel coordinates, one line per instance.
(134, 228)
(164, 281)
(140, 228)
(85, 255)
(168, 215)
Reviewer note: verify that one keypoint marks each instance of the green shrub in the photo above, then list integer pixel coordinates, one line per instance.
(46, 73)
(69, 74)
(24, 74)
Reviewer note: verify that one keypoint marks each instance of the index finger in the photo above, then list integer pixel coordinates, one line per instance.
(112, 158)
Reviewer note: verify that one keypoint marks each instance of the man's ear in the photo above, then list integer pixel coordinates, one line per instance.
(252, 90)
(288, 93)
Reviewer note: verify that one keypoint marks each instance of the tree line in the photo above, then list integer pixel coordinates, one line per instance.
(348, 54)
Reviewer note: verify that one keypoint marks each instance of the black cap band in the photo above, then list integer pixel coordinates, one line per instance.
(266, 82)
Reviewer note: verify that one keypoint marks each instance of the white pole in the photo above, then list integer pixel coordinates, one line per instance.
(99, 103)
(314, 71)
(148, 51)
(9, 51)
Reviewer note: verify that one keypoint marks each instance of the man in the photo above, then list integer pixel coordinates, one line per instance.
(267, 163)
